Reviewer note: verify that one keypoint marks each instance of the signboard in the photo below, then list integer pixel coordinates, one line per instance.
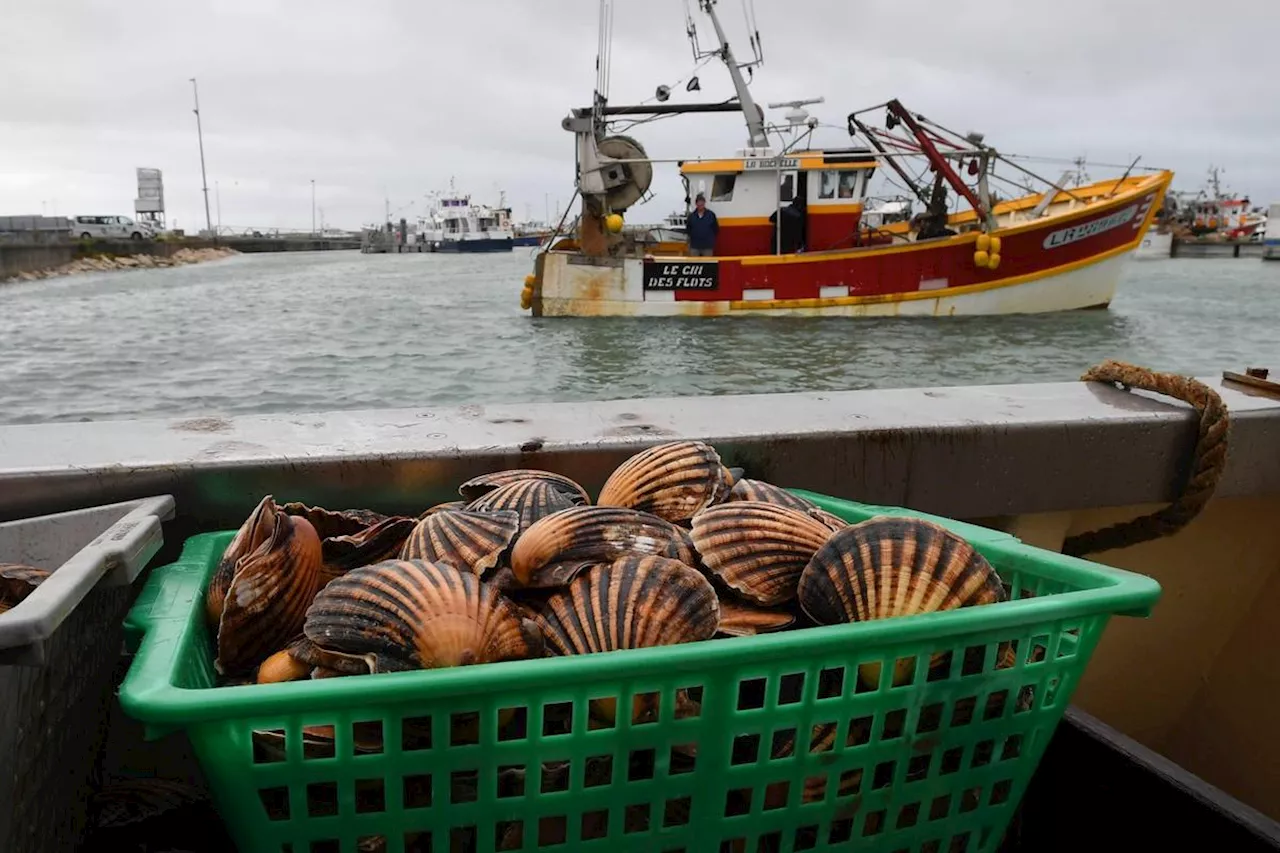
(150, 192)
(1083, 231)
(772, 163)
(681, 275)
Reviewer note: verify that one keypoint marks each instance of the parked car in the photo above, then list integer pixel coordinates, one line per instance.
(110, 228)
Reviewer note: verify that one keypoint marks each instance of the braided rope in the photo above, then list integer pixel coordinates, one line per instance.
(1209, 457)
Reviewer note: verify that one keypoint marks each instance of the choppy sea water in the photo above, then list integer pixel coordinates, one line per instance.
(340, 330)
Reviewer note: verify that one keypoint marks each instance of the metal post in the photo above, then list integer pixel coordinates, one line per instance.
(204, 179)
(313, 207)
(217, 195)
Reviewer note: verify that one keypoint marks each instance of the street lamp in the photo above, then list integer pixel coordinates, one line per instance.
(313, 207)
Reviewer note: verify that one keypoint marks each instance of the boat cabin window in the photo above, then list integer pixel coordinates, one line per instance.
(827, 183)
(848, 185)
(722, 187)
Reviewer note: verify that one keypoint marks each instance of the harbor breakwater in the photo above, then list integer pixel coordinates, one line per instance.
(31, 263)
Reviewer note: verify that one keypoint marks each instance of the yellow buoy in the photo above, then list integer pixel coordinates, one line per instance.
(984, 244)
(980, 258)
(526, 299)
(529, 280)
(993, 261)
(613, 222)
(995, 246)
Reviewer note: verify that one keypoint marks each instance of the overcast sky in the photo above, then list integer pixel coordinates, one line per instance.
(379, 100)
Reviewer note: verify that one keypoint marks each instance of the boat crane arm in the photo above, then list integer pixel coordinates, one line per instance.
(940, 163)
(759, 138)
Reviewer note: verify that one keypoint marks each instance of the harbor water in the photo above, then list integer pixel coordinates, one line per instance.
(340, 330)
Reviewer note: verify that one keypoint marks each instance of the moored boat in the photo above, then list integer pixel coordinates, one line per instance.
(1057, 248)
(455, 224)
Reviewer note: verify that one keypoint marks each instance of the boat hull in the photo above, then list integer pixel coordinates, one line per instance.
(470, 246)
(528, 240)
(1070, 260)
(1155, 246)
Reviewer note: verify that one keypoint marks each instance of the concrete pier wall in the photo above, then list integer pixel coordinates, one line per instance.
(16, 258)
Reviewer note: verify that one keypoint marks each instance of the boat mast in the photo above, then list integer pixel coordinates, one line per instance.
(755, 121)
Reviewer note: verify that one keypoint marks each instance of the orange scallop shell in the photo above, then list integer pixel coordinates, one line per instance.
(256, 529)
(596, 534)
(485, 483)
(673, 480)
(758, 549)
(470, 541)
(414, 614)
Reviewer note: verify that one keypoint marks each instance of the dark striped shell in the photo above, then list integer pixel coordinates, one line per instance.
(597, 534)
(740, 618)
(635, 602)
(414, 614)
(334, 522)
(269, 595)
(473, 541)
(373, 544)
(531, 500)
(758, 549)
(887, 567)
(673, 480)
(315, 657)
(761, 492)
(256, 529)
(830, 519)
(17, 582)
(442, 507)
(485, 483)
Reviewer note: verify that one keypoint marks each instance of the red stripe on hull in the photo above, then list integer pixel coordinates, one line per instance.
(1056, 243)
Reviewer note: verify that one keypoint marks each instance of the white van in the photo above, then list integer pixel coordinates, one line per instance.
(109, 228)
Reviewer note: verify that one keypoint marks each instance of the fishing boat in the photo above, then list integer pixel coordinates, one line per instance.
(1216, 214)
(454, 224)
(1050, 248)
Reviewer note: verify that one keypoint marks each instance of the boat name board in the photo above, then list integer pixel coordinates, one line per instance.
(772, 163)
(1063, 236)
(662, 275)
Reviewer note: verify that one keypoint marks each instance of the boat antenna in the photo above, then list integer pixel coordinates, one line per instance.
(757, 135)
(604, 59)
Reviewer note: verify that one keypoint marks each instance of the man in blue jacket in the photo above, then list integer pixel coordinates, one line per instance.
(702, 226)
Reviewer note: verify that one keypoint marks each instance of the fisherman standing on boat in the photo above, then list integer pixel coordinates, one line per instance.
(702, 227)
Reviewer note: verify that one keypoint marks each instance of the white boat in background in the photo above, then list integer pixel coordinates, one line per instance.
(455, 224)
(1271, 238)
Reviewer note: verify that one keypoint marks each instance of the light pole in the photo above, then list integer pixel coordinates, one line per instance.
(204, 179)
(217, 196)
(313, 207)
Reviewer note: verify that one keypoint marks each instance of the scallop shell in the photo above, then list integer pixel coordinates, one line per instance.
(256, 529)
(531, 500)
(887, 567)
(740, 618)
(759, 491)
(597, 534)
(635, 602)
(673, 480)
(830, 519)
(758, 549)
(442, 507)
(307, 652)
(282, 666)
(466, 540)
(17, 582)
(477, 486)
(373, 544)
(268, 595)
(334, 522)
(414, 614)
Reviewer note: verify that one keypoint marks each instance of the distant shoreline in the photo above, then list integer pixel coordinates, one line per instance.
(109, 263)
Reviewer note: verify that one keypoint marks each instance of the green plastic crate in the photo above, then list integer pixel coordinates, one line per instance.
(933, 764)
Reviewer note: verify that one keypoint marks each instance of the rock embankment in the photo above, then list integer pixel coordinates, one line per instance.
(106, 263)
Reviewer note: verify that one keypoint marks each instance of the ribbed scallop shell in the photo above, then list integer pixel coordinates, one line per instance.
(442, 507)
(256, 529)
(635, 602)
(673, 480)
(473, 541)
(413, 614)
(830, 519)
(315, 657)
(477, 486)
(373, 544)
(334, 522)
(269, 595)
(758, 549)
(17, 582)
(742, 619)
(598, 534)
(886, 567)
(759, 491)
(531, 500)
